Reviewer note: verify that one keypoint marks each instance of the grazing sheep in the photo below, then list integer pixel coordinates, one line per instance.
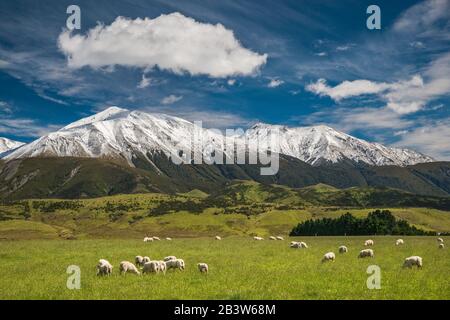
(145, 260)
(218, 238)
(202, 267)
(168, 258)
(151, 267)
(303, 245)
(169, 239)
(139, 260)
(280, 238)
(128, 267)
(162, 266)
(295, 245)
(441, 246)
(368, 243)
(329, 256)
(148, 239)
(343, 249)
(104, 268)
(175, 264)
(399, 242)
(272, 238)
(156, 238)
(440, 240)
(366, 253)
(258, 238)
(413, 261)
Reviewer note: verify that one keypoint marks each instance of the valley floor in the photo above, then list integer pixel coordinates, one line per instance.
(240, 268)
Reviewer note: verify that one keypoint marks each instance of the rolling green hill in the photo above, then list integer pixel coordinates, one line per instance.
(240, 208)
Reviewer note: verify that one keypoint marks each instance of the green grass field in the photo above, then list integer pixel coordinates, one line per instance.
(240, 268)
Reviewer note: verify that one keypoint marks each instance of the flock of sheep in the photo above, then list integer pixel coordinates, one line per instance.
(146, 265)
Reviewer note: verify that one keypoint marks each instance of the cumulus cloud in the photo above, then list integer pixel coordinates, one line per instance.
(170, 42)
(275, 83)
(405, 96)
(171, 99)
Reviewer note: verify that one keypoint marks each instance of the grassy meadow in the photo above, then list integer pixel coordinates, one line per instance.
(240, 268)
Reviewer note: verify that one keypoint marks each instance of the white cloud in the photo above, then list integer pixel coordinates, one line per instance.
(275, 83)
(231, 82)
(25, 127)
(5, 107)
(422, 15)
(346, 89)
(171, 99)
(405, 96)
(145, 82)
(321, 54)
(432, 139)
(361, 118)
(343, 47)
(170, 42)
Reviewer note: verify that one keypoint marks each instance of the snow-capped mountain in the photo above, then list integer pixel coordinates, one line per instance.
(117, 132)
(7, 145)
(317, 144)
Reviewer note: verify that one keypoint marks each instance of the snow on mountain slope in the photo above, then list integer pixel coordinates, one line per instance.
(317, 144)
(117, 132)
(7, 145)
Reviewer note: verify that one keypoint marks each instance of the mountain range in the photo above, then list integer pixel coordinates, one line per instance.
(122, 151)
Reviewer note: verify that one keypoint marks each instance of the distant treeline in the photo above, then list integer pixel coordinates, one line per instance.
(376, 223)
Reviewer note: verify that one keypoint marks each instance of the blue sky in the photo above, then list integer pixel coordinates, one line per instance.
(286, 62)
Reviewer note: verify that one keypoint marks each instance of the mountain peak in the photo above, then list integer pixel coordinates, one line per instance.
(8, 144)
(107, 114)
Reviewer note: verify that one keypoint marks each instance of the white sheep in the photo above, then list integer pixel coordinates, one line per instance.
(329, 256)
(295, 245)
(175, 264)
(218, 238)
(168, 258)
(413, 261)
(280, 238)
(366, 253)
(139, 261)
(156, 238)
(202, 267)
(162, 266)
(128, 267)
(145, 260)
(303, 245)
(343, 249)
(169, 239)
(151, 267)
(258, 238)
(441, 246)
(104, 268)
(368, 243)
(272, 238)
(148, 239)
(399, 242)
(440, 240)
